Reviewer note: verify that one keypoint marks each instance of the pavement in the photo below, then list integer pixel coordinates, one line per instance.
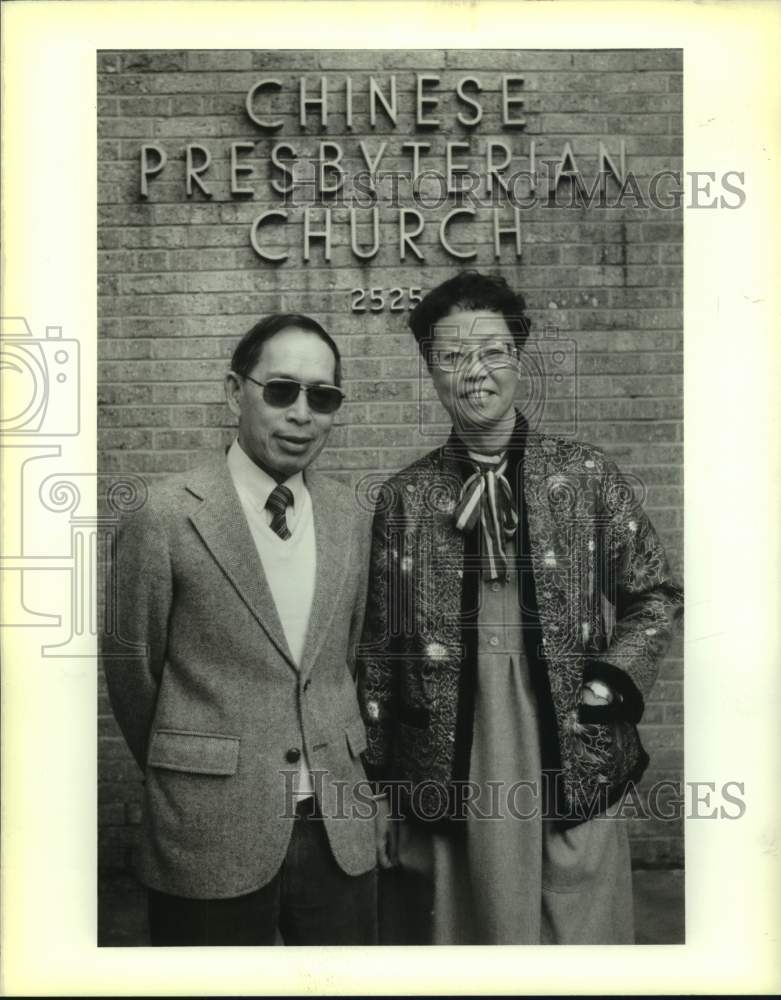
(659, 909)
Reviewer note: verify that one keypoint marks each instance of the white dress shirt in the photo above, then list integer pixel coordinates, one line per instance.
(289, 564)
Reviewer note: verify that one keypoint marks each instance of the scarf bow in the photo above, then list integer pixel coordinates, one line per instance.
(486, 498)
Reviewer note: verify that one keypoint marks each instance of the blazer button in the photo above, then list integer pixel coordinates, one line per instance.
(293, 755)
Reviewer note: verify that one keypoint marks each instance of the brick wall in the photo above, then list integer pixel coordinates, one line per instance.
(179, 283)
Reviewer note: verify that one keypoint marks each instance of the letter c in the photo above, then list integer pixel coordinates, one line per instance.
(275, 257)
(271, 126)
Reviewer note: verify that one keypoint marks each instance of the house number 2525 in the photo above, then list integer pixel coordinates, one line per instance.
(377, 299)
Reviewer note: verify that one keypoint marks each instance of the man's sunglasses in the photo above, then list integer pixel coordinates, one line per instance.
(282, 392)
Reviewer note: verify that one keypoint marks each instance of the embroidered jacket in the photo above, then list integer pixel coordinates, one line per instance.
(597, 601)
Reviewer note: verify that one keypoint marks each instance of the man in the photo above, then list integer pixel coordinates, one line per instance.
(519, 603)
(244, 583)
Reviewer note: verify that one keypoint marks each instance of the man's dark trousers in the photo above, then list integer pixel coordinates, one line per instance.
(310, 900)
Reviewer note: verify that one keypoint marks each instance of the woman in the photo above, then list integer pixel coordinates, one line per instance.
(500, 701)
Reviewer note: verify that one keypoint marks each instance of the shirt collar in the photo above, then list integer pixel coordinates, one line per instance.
(493, 460)
(456, 450)
(255, 484)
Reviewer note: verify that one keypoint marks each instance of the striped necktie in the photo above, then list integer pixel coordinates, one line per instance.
(278, 502)
(486, 498)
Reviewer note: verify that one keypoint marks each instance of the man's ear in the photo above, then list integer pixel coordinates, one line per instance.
(233, 393)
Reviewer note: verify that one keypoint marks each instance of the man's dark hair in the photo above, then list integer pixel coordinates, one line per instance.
(471, 291)
(249, 348)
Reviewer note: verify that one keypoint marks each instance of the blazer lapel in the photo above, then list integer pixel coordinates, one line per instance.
(222, 525)
(333, 543)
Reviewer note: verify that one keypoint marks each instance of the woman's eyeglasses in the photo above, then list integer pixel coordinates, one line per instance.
(282, 392)
(493, 355)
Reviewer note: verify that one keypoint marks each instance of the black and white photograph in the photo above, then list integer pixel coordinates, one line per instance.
(373, 585)
(390, 369)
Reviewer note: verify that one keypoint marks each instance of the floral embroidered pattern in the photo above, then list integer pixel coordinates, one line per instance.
(589, 538)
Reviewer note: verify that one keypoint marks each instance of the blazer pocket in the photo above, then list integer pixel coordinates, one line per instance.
(356, 737)
(194, 753)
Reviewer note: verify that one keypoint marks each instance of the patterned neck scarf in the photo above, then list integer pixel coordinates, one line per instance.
(486, 498)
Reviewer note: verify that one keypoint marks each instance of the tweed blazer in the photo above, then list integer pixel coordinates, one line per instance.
(598, 602)
(209, 698)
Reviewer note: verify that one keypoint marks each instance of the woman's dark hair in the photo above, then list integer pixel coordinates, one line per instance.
(472, 291)
(249, 348)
